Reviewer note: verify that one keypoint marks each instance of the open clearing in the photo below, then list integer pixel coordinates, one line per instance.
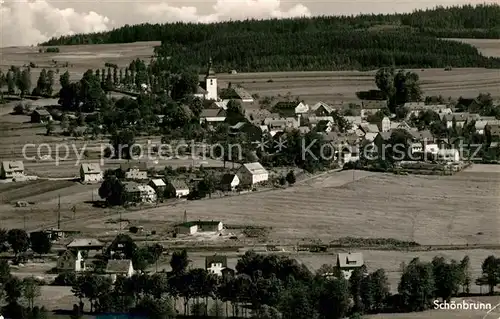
(328, 86)
(431, 210)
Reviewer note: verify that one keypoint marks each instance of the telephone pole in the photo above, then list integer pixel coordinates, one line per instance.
(59, 212)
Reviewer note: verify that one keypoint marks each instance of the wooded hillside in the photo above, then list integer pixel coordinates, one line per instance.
(320, 43)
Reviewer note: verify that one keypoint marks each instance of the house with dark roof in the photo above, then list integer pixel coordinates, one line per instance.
(71, 260)
(213, 115)
(193, 227)
(119, 267)
(215, 264)
(85, 244)
(40, 116)
(229, 182)
(348, 262)
(177, 188)
(371, 107)
(12, 169)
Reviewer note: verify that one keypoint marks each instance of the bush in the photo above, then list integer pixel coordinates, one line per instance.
(52, 50)
(133, 230)
(65, 279)
(19, 109)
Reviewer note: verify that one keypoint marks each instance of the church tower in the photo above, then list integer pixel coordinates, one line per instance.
(211, 83)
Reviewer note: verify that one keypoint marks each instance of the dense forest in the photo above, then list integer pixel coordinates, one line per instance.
(320, 43)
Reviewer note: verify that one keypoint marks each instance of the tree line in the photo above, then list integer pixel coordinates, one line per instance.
(482, 19)
(261, 286)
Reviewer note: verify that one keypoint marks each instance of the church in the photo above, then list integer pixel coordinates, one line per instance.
(207, 89)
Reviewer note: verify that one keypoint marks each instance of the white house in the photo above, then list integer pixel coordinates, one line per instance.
(71, 260)
(147, 193)
(90, 173)
(252, 173)
(215, 264)
(122, 267)
(384, 125)
(178, 187)
(229, 182)
(347, 262)
(301, 108)
(448, 155)
(193, 227)
(371, 107)
(12, 169)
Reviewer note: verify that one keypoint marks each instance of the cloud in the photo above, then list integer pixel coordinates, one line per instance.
(24, 22)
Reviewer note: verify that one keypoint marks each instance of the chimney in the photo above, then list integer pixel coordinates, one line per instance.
(298, 119)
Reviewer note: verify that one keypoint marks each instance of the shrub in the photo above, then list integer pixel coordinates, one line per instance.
(65, 279)
(133, 230)
(52, 50)
(19, 109)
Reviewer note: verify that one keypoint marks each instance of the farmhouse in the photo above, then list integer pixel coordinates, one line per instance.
(12, 169)
(122, 267)
(90, 173)
(237, 93)
(448, 155)
(177, 188)
(215, 264)
(134, 171)
(137, 193)
(229, 182)
(252, 173)
(372, 106)
(290, 108)
(212, 115)
(40, 116)
(347, 262)
(85, 244)
(71, 260)
(321, 109)
(194, 227)
(459, 118)
(158, 185)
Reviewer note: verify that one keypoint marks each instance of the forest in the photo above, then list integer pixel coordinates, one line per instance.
(320, 43)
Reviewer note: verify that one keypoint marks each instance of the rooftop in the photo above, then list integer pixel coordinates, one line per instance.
(199, 223)
(215, 259)
(346, 260)
(118, 266)
(255, 168)
(85, 242)
(91, 168)
(10, 166)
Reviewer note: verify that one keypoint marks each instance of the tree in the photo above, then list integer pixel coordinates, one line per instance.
(24, 82)
(31, 290)
(64, 79)
(13, 289)
(18, 240)
(112, 190)
(76, 313)
(416, 286)
(491, 272)
(384, 79)
(207, 185)
(41, 84)
(375, 291)
(49, 89)
(333, 299)
(91, 93)
(4, 271)
(122, 141)
(179, 262)
(290, 178)
(11, 82)
(446, 278)
(40, 242)
(466, 274)
(297, 303)
(355, 283)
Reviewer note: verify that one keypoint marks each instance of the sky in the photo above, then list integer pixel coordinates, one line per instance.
(24, 22)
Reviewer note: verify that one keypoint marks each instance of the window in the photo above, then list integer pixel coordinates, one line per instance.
(211, 82)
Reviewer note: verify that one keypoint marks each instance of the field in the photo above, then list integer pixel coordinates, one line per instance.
(488, 47)
(331, 87)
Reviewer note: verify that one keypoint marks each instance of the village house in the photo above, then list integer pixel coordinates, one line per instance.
(384, 125)
(207, 89)
(448, 155)
(177, 188)
(121, 267)
(135, 171)
(71, 260)
(369, 128)
(237, 93)
(219, 104)
(321, 109)
(215, 264)
(40, 116)
(290, 108)
(138, 193)
(494, 130)
(90, 173)
(85, 244)
(12, 170)
(348, 262)
(252, 173)
(354, 122)
(158, 185)
(371, 107)
(459, 118)
(193, 227)
(229, 182)
(212, 116)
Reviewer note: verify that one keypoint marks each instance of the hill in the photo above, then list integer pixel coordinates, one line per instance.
(319, 43)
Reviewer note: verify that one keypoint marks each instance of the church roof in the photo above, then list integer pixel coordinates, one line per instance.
(210, 70)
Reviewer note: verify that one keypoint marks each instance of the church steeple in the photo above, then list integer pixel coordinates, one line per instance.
(210, 70)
